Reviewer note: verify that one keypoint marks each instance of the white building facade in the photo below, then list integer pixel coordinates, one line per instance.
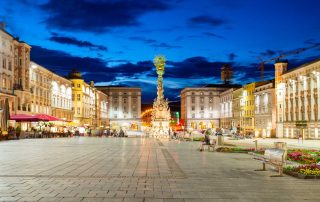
(299, 101)
(124, 106)
(201, 107)
(265, 110)
(226, 113)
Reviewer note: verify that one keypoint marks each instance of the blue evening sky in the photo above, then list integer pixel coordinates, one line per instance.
(113, 42)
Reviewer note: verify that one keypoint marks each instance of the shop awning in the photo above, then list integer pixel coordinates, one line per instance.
(24, 118)
(46, 117)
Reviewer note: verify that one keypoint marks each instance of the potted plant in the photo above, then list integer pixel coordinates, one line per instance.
(18, 132)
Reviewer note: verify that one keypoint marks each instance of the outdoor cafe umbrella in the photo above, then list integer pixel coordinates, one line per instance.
(46, 117)
(24, 118)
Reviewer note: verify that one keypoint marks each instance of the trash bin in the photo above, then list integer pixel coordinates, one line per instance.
(219, 140)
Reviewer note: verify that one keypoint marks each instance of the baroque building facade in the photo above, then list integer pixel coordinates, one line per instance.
(200, 107)
(83, 100)
(14, 72)
(61, 98)
(7, 59)
(40, 88)
(226, 112)
(298, 101)
(265, 110)
(102, 119)
(237, 108)
(124, 106)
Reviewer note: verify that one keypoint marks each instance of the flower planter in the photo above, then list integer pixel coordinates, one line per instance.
(300, 175)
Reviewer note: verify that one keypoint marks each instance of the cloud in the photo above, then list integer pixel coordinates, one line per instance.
(95, 68)
(268, 53)
(153, 43)
(232, 56)
(98, 16)
(213, 35)
(143, 39)
(165, 45)
(76, 42)
(207, 20)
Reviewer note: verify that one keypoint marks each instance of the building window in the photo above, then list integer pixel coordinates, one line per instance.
(78, 85)
(210, 100)
(78, 110)
(192, 108)
(78, 97)
(4, 64)
(202, 108)
(125, 100)
(193, 100)
(201, 100)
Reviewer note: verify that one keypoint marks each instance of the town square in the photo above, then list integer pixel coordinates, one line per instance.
(160, 101)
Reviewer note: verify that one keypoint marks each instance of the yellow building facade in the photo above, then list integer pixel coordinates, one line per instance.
(83, 100)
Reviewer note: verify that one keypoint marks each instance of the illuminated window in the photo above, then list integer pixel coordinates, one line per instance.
(193, 99)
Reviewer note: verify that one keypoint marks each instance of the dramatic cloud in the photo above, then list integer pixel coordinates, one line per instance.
(194, 71)
(93, 68)
(153, 43)
(73, 41)
(232, 56)
(268, 53)
(213, 35)
(207, 20)
(98, 16)
(165, 45)
(143, 39)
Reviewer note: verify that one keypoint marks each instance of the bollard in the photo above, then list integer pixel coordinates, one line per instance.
(256, 145)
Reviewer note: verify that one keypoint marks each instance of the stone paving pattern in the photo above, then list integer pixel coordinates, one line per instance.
(138, 170)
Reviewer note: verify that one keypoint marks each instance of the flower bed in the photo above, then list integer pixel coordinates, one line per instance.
(304, 156)
(305, 172)
(234, 149)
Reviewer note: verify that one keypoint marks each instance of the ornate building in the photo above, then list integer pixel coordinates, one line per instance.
(61, 97)
(226, 112)
(124, 106)
(101, 109)
(298, 100)
(236, 108)
(7, 59)
(40, 88)
(14, 72)
(265, 110)
(200, 107)
(83, 99)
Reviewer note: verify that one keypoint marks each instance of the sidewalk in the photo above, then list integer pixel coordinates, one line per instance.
(269, 142)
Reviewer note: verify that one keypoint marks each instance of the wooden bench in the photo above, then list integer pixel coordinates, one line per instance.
(274, 157)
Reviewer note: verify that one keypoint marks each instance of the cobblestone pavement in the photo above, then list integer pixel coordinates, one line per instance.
(137, 170)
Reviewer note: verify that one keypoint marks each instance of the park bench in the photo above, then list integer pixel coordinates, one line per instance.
(274, 157)
(209, 146)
